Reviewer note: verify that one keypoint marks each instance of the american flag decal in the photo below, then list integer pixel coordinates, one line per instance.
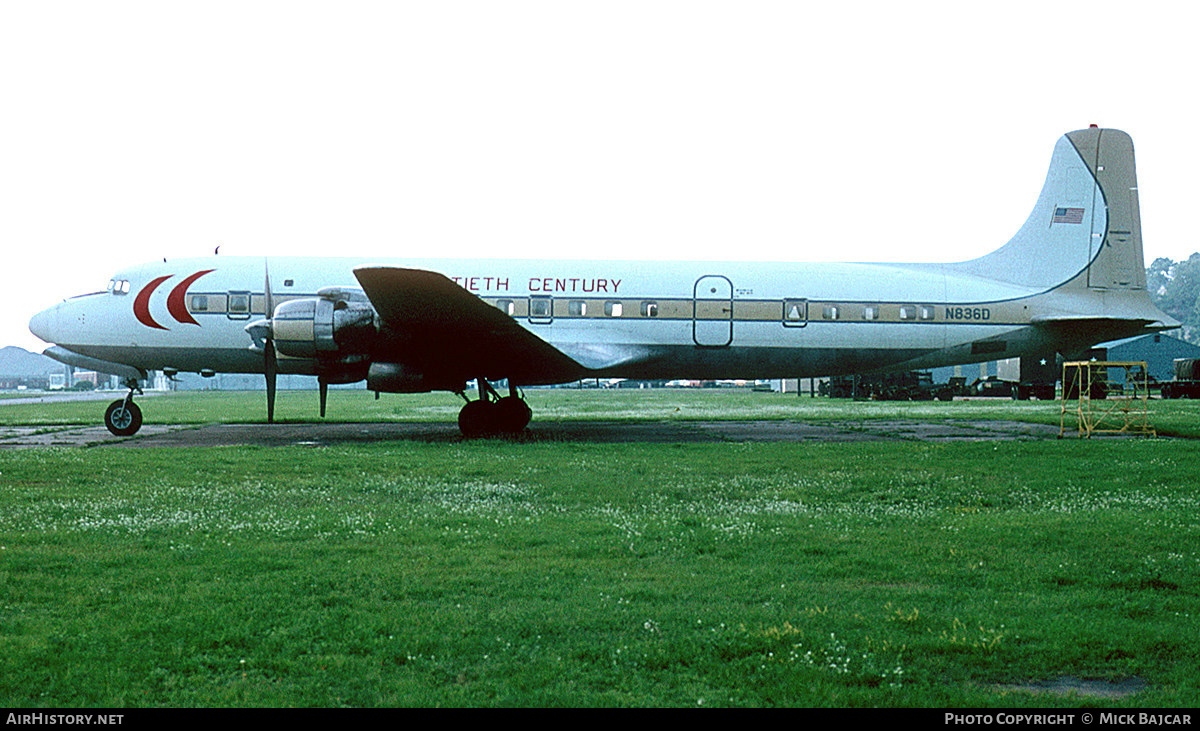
(1068, 215)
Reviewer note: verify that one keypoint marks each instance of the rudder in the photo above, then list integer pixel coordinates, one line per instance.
(1116, 261)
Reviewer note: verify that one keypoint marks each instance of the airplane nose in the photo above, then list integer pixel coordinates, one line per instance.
(42, 324)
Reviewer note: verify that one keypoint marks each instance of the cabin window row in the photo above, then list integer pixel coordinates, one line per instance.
(546, 308)
(795, 311)
(241, 305)
(236, 305)
(908, 313)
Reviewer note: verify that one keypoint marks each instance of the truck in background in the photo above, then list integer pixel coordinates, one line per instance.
(1186, 383)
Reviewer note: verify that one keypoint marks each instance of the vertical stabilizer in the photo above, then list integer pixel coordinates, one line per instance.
(1085, 230)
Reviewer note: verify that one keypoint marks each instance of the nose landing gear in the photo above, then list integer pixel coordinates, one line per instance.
(123, 417)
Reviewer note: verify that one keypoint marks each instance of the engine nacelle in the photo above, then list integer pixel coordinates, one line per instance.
(335, 330)
(400, 378)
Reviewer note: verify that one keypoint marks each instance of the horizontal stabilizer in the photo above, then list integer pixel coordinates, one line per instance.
(1167, 323)
(1076, 333)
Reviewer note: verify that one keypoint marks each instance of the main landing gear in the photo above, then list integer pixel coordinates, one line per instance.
(123, 417)
(492, 414)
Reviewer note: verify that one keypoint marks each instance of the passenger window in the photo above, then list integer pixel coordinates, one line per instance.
(649, 309)
(829, 312)
(508, 307)
(613, 309)
(870, 312)
(577, 308)
(239, 305)
(199, 303)
(908, 312)
(539, 309)
(926, 313)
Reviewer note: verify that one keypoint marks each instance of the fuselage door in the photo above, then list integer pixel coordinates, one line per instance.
(712, 311)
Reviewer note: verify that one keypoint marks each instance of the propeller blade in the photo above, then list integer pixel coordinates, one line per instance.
(270, 310)
(269, 371)
(324, 384)
(270, 366)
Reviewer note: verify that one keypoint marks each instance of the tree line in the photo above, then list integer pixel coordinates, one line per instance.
(1175, 288)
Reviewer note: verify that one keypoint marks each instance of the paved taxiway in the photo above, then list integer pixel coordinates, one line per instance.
(321, 434)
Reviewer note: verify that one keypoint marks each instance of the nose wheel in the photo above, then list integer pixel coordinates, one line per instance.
(123, 417)
(492, 414)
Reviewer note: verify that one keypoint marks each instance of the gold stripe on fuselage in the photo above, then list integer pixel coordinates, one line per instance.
(795, 312)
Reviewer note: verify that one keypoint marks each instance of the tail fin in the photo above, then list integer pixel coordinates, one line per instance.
(1085, 231)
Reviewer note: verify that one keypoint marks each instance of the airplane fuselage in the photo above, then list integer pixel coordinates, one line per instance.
(614, 318)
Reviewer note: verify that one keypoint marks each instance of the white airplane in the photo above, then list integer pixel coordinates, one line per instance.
(1072, 276)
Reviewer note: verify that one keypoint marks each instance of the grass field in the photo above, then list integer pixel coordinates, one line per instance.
(1172, 418)
(517, 574)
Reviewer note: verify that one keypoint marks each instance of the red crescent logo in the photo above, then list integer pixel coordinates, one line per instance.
(141, 304)
(175, 300)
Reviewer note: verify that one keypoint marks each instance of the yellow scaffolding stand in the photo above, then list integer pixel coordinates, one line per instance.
(1086, 394)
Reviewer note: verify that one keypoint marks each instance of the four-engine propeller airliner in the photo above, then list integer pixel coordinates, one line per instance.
(1072, 276)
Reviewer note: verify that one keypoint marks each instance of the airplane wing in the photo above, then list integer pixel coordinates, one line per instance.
(436, 325)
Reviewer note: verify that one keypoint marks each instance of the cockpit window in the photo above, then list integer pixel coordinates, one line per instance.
(118, 286)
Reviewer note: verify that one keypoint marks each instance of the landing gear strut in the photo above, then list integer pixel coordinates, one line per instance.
(123, 417)
(492, 414)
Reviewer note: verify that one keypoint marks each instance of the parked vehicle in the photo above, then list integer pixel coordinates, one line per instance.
(905, 386)
(1187, 380)
(992, 386)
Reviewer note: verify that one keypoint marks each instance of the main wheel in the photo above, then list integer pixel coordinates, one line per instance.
(123, 418)
(477, 419)
(512, 415)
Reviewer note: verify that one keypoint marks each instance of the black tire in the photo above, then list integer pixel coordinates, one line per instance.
(512, 415)
(477, 419)
(123, 420)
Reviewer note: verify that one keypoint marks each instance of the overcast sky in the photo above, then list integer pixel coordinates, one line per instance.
(770, 131)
